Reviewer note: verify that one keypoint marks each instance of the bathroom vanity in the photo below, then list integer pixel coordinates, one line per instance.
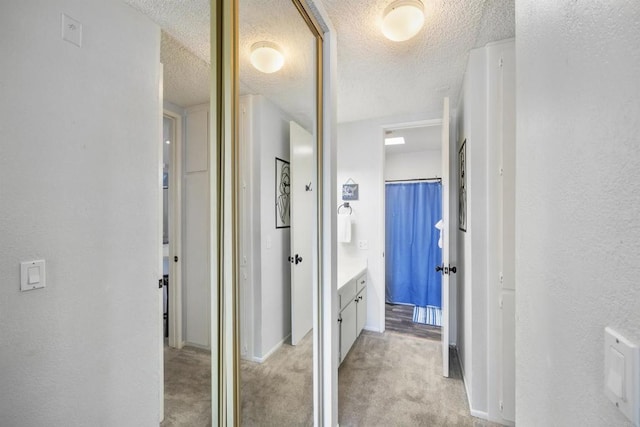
(352, 301)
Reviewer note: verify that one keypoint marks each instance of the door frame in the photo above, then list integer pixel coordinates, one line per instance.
(381, 226)
(175, 233)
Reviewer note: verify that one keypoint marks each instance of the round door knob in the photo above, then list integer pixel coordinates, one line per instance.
(453, 269)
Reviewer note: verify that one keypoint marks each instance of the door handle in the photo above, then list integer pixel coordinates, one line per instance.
(453, 269)
(439, 267)
(298, 259)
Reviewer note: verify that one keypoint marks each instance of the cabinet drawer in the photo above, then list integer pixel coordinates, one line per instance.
(361, 282)
(347, 293)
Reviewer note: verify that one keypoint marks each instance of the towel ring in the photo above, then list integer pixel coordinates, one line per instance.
(346, 205)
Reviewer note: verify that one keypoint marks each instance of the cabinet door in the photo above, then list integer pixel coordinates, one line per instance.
(361, 312)
(347, 329)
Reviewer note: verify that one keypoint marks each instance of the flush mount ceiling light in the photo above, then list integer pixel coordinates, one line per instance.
(403, 19)
(266, 57)
(399, 140)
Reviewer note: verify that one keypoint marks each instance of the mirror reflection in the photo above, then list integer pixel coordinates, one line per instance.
(277, 212)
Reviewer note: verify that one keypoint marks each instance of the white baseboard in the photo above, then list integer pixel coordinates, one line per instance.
(269, 353)
(473, 412)
(370, 329)
(192, 344)
(479, 414)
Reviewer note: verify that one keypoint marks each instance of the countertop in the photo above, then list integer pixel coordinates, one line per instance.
(349, 270)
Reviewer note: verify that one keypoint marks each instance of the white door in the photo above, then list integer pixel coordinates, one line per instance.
(445, 238)
(302, 194)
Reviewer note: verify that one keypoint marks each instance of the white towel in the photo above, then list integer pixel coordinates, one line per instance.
(439, 225)
(344, 227)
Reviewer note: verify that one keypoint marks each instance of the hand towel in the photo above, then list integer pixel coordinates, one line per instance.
(344, 228)
(439, 225)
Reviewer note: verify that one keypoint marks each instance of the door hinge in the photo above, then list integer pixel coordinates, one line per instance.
(175, 258)
(501, 303)
(501, 406)
(501, 278)
(501, 62)
(501, 171)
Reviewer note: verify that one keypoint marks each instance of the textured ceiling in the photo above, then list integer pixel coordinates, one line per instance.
(416, 139)
(376, 77)
(186, 77)
(292, 87)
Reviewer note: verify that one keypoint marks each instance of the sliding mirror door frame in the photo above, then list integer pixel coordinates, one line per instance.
(223, 162)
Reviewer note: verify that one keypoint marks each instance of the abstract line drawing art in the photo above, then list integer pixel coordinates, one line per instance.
(283, 197)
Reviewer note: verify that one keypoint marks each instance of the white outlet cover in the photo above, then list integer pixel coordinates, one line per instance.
(71, 30)
(620, 354)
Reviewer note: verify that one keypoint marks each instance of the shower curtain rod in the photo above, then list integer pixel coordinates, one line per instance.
(413, 180)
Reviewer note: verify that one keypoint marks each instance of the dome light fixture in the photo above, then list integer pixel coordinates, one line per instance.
(266, 57)
(403, 19)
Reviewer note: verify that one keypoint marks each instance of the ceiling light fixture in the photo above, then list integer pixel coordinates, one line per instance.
(266, 57)
(403, 19)
(399, 140)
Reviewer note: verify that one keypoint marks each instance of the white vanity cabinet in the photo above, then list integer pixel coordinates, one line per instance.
(352, 297)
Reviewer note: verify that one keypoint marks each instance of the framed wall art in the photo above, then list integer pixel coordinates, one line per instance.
(283, 194)
(462, 186)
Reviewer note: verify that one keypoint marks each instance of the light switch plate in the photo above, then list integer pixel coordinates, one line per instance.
(622, 374)
(363, 245)
(35, 270)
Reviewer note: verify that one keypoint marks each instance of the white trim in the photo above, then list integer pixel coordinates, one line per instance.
(160, 249)
(269, 353)
(381, 226)
(474, 412)
(194, 345)
(479, 414)
(175, 233)
(325, 335)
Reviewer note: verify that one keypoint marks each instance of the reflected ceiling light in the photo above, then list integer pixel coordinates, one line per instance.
(399, 140)
(266, 57)
(403, 19)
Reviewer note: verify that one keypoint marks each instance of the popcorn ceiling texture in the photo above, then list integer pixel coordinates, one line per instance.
(186, 77)
(376, 77)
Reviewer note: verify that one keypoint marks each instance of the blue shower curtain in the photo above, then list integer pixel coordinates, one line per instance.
(412, 252)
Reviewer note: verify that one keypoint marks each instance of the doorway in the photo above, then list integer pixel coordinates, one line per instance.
(413, 210)
(171, 228)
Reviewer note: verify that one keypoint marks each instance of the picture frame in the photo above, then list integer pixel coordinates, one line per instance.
(283, 194)
(462, 187)
(350, 191)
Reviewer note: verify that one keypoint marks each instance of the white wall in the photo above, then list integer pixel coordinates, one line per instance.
(472, 261)
(486, 120)
(418, 164)
(267, 301)
(196, 298)
(361, 158)
(275, 244)
(79, 187)
(578, 192)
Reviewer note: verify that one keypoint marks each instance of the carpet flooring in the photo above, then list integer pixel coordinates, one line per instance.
(187, 387)
(388, 379)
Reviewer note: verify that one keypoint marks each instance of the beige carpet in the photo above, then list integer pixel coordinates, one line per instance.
(187, 387)
(386, 380)
(392, 379)
(279, 392)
